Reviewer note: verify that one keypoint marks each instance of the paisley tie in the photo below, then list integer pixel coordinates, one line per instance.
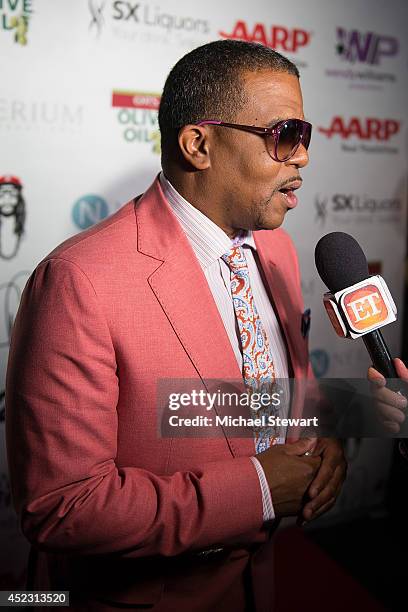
(257, 364)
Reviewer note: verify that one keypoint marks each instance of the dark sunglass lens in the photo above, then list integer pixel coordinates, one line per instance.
(289, 138)
(307, 134)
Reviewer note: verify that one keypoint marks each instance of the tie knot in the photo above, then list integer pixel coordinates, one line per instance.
(235, 259)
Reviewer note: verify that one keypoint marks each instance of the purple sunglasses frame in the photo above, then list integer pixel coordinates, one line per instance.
(274, 131)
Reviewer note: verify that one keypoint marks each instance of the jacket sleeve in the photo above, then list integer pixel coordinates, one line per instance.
(61, 425)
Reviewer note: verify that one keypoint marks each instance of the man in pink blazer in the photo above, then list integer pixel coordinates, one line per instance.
(115, 513)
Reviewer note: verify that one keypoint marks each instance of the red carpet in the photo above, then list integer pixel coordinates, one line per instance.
(307, 580)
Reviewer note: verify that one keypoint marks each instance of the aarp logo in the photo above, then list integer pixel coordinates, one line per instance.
(362, 128)
(276, 37)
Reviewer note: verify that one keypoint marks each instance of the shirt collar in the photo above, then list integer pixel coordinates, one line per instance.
(208, 241)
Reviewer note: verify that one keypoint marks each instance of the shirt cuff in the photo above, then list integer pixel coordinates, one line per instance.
(267, 506)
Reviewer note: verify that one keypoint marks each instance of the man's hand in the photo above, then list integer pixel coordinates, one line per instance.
(391, 406)
(289, 473)
(325, 487)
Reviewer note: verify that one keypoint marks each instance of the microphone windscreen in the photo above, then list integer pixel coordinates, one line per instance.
(340, 261)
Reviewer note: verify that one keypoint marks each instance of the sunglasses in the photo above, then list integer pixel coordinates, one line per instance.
(282, 139)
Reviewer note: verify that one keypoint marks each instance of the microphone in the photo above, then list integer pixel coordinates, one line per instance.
(343, 268)
(357, 304)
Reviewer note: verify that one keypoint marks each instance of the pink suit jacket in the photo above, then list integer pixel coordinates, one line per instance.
(109, 506)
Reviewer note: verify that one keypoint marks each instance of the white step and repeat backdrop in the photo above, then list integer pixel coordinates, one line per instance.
(79, 91)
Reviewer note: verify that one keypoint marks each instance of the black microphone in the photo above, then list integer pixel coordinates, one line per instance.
(341, 263)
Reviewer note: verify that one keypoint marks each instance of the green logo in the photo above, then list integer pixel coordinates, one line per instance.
(14, 18)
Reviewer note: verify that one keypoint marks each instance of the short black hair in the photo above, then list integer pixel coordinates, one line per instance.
(206, 83)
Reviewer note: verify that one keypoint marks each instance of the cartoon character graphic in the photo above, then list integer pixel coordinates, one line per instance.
(12, 206)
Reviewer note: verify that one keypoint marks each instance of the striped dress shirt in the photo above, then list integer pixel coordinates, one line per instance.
(209, 243)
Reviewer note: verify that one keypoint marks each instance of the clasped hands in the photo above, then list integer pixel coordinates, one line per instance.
(308, 485)
(304, 485)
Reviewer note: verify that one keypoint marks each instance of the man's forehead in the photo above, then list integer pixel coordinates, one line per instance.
(274, 95)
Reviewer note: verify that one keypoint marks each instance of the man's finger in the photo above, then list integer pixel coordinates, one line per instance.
(327, 506)
(327, 491)
(331, 490)
(324, 475)
(300, 447)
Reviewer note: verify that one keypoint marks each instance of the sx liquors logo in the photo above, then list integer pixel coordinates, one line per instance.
(14, 18)
(347, 209)
(363, 134)
(361, 54)
(137, 115)
(283, 39)
(131, 20)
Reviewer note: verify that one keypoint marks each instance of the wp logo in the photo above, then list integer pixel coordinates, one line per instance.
(275, 37)
(369, 128)
(369, 48)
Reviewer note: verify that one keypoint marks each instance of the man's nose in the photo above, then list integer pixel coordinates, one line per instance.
(300, 158)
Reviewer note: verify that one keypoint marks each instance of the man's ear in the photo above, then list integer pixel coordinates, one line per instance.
(194, 146)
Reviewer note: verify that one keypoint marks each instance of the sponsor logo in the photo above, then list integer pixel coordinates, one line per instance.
(275, 37)
(135, 20)
(365, 130)
(15, 18)
(353, 208)
(97, 19)
(280, 38)
(10, 295)
(137, 115)
(365, 47)
(88, 210)
(365, 308)
(320, 361)
(368, 49)
(12, 216)
(22, 114)
(147, 15)
(321, 208)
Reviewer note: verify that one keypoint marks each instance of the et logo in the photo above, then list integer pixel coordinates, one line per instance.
(365, 308)
(361, 308)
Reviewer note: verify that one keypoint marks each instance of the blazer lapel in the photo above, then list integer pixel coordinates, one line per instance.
(281, 296)
(181, 288)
